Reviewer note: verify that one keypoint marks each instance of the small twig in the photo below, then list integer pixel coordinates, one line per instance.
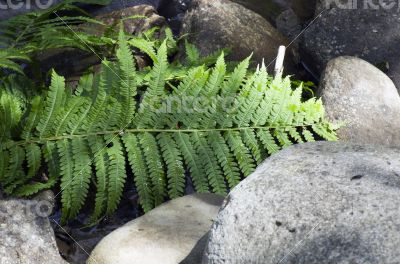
(279, 61)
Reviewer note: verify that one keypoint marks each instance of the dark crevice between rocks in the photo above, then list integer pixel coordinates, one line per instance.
(174, 11)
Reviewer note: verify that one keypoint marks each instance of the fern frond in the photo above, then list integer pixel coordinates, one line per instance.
(145, 46)
(217, 77)
(192, 161)
(31, 189)
(268, 141)
(33, 118)
(210, 163)
(309, 137)
(173, 160)
(67, 174)
(153, 95)
(52, 103)
(282, 137)
(116, 172)
(155, 166)
(11, 110)
(100, 162)
(127, 84)
(192, 54)
(235, 81)
(82, 174)
(33, 156)
(250, 140)
(68, 115)
(225, 158)
(205, 124)
(142, 177)
(14, 174)
(241, 152)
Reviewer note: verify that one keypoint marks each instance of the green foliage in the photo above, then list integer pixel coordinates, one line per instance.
(209, 124)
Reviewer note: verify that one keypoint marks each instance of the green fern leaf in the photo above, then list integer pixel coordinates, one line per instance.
(153, 95)
(250, 140)
(33, 156)
(82, 174)
(100, 162)
(192, 162)
(127, 84)
(268, 141)
(155, 166)
(235, 81)
(282, 137)
(209, 163)
(14, 172)
(307, 135)
(33, 118)
(142, 177)
(192, 54)
(145, 46)
(53, 102)
(116, 173)
(67, 175)
(31, 189)
(241, 152)
(225, 158)
(173, 160)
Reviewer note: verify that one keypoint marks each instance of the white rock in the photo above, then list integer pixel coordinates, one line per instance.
(356, 92)
(173, 232)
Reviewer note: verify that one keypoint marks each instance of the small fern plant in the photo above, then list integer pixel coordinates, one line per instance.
(209, 124)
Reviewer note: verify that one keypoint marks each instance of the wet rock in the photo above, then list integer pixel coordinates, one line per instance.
(172, 233)
(359, 94)
(132, 26)
(321, 202)
(272, 9)
(288, 23)
(25, 233)
(213, 25)
(174, 11)
(370, 34)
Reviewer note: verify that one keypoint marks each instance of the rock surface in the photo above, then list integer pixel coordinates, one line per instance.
(213, 25)
(271, 9)
(321, 202)
(356, 92)
(25, 233)
(370, 34)
(174, 232)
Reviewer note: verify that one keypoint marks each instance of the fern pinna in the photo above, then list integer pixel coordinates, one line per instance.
(210, 124)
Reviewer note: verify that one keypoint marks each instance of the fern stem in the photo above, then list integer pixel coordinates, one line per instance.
(143, 130)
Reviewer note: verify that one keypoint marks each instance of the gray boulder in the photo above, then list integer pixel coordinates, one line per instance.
(25, 233)
(359, 94)
(321, 202)
(371, 34)
(175, 232)
(213, 25)
(271, 9)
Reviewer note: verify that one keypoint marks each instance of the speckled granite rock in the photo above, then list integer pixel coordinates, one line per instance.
(321, 202)
(25, 233)
(359, 94)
